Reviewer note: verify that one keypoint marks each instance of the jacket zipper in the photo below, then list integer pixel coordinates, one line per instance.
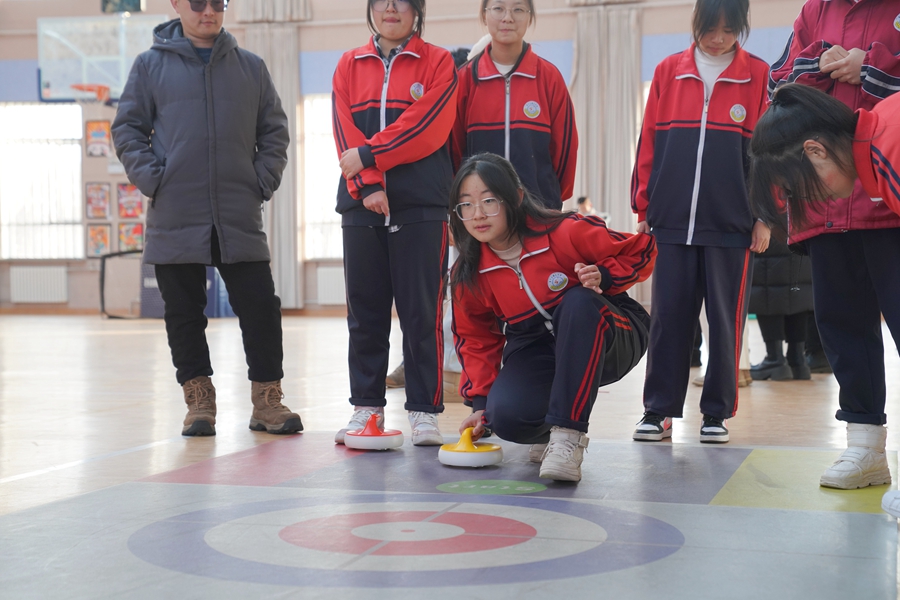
(383, 115)
(508, 79)
(696, 193)
(523, 285)
(213, 175)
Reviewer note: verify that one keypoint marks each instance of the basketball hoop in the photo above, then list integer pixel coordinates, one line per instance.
(92, 92)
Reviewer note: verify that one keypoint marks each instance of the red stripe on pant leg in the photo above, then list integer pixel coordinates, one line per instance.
(593, 374)
(740, 316)
(439, 330)
(580, 397)
(577, 400)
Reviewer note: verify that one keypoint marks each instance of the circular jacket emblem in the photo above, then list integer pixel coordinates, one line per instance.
(532, 109)
(897, 23)
(557, 282)
(417, 90)
(738, 113)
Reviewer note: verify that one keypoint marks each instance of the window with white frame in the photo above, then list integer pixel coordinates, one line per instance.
(319, 177)
(40, 181)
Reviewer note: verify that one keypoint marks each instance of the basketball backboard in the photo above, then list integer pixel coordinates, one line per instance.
(90, 50)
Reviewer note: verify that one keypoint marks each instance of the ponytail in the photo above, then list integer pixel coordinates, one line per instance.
(779, 168)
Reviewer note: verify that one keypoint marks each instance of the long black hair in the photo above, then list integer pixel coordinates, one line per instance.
(708, 12)
(418, 7)
(501, 179)
(778, 165)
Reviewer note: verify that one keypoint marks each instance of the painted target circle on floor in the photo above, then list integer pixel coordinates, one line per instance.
(408, 533)
(404, 540)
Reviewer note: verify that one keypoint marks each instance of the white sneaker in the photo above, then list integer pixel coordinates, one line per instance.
(360, 415)
(890, 503)
(425, 431)
(564, 454)
(863, 463)
(536, 452)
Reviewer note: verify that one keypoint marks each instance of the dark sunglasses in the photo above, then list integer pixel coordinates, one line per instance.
(200, 5)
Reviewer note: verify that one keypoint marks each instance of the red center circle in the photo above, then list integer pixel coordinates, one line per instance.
(335, 533)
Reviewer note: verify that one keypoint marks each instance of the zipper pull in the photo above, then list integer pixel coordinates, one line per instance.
(520, 280)
(706, 105)
(507, 85)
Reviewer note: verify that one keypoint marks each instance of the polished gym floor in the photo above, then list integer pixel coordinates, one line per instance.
(101, 497)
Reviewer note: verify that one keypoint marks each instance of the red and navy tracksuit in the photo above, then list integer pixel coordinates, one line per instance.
(398, 111)
(526, 117)
(689, 184)
(553, 358)
(851, 241)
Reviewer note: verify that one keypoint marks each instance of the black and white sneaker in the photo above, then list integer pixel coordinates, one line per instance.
(653, 428)
(713, 430)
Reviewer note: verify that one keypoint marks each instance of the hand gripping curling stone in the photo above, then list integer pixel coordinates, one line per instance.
(467, 454)
(372, 438)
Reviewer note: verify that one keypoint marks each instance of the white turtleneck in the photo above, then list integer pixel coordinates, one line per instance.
(710, 67)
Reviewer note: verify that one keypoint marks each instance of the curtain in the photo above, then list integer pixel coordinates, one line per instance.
(278, 45)
(607, 92)
(273, 11)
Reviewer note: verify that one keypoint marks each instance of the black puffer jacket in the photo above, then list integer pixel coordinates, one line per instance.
(782, 282)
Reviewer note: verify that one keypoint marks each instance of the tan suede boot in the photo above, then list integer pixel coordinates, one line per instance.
(200, 397)
(269, 414)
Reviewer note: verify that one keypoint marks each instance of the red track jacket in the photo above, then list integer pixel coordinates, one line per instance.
(400, 119)
(876, 151)
(874, 26)
(526, 117)
(548, 271)
(705, 205)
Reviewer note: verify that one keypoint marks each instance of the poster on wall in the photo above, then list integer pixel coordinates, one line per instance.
(96, 198)
(97, 137)
(131, 236)
(98, 240)
(131, 203)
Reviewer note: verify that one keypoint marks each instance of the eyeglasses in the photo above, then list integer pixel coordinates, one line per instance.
(490, 207)
(401, 6)
(498, 12)
(200, 5)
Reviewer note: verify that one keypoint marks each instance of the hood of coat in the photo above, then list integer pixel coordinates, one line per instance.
(169, 37)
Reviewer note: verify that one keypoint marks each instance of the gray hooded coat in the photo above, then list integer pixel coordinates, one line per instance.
(206, 143)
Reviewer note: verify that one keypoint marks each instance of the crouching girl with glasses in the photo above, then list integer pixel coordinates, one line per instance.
(542, 293)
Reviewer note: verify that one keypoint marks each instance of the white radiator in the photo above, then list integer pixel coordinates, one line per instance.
(330, 286)
(38, 284)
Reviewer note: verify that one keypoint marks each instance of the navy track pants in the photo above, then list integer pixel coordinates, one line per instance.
(549, 379)
(856, 279)
(685, 277)
(406, 266)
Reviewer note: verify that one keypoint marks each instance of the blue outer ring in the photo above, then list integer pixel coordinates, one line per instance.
(633, 539)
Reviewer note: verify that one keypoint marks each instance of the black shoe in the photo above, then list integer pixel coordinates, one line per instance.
(801, 371)
(695, 359)
(818, 363)
(776, 370)
(713, 430)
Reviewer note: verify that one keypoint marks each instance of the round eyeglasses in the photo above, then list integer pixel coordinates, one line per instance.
(498, 12)
(401, 6)
(490, 207)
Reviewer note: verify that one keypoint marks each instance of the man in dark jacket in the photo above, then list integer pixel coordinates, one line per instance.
(201, 132)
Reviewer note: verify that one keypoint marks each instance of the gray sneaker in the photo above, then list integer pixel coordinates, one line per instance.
(425, 431)
(564, 454)
(360, 415)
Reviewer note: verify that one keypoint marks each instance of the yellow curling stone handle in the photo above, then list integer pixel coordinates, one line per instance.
(465, 444)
